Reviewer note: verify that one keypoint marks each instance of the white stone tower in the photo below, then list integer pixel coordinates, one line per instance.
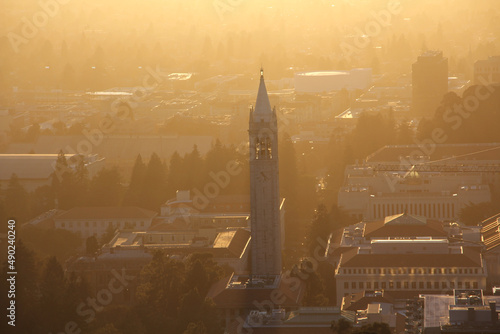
(264, 187)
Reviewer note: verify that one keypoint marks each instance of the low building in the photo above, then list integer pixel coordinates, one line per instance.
(465, 311)
(409, 265)
(36, 170)
(401, 226)
(381, 313)
(88, 221)
(317, 319)
(228, 247)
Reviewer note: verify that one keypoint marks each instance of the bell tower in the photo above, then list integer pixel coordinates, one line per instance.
(264, 186)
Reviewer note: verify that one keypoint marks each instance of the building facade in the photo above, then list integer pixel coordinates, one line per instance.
(88, 221)
(420, 264)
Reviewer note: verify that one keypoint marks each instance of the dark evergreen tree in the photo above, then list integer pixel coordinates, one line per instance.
(105, 188)
(135, 187)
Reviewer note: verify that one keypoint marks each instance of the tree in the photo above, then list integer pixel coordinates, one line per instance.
(105, 188)
(16, 200)
(195, 328)
(374, 328)
(52, 295)
(135, 187)
(175, 172)
(27, 310)
(342, 326)
(91, 245)
(153, 194)
(319, 231)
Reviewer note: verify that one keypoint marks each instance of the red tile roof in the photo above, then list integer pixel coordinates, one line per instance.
(351, 258)
(378, 229)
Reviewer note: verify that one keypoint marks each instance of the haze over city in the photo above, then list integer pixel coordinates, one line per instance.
(232, 166)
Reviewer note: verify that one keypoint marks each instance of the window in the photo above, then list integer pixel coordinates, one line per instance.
(391, 285)
(406, 285)
(436, 285)
(459, 271)
(384, 285)
(467, 285)
(420, 285)
(368, 285)
(353, 285)
(346, 285)
(443, 285)
(429, 285)
(350, 271)
(452, 285)
(460, 285)
(398, 285)
(413, 285)
(375, 285)
(475, 271)
(361, 285)
(474, 285)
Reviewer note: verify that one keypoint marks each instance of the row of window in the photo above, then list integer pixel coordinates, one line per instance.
(430, 210)
(403, 271)
(102, 224)
(411, 285)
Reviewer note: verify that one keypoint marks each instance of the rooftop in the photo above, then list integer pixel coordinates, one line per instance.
(107, 212)
(352, 259)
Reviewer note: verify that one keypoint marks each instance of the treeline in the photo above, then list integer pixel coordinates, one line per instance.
(151, 184)
(170, 298)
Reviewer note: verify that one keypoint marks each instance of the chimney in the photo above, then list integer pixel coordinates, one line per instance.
(493, 310)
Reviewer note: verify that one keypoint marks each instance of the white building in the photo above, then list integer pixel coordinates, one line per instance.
(35, 170)
(372, 190)
(88, 221)
(326, 81)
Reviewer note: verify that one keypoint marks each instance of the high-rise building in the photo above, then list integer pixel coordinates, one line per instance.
(429, 82)
(487, 71)
(264, 187)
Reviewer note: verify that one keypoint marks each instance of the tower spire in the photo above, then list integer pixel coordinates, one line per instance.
(263, 110)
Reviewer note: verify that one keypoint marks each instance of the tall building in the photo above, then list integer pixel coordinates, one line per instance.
(429, 82)
(264, 187)
(487, 71)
